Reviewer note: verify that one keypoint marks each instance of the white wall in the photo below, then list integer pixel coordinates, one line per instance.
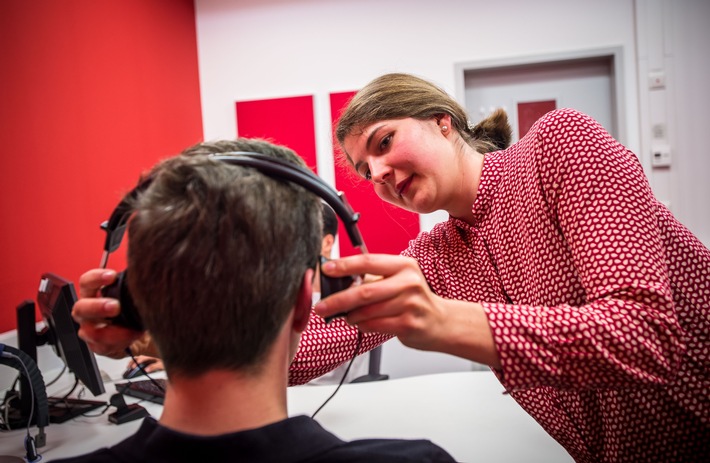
(250, 49)
(673, 39)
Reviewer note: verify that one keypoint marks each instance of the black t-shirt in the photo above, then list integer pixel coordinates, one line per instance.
(298, 439)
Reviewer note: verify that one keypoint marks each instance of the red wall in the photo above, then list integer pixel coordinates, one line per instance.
(385, 228)
(255, 119)
(91, 94)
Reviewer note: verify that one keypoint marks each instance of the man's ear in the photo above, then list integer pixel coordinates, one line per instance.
(326, 246)
(304, 302)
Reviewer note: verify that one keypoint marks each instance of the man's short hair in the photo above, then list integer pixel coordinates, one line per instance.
(330, 220)
(217, 254)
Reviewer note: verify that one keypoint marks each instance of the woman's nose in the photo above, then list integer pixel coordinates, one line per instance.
(380, 171)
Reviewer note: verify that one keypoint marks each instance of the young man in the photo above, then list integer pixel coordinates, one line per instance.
(221, 260)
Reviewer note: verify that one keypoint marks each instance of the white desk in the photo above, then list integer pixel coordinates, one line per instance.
(465, 413)
(83, 434)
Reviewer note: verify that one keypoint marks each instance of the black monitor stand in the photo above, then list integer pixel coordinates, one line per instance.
(60, 409)
(373, 369)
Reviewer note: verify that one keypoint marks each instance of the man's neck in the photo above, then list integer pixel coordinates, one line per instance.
(221, 402)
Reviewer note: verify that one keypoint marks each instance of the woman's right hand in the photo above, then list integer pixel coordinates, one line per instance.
(92, 312)
(396, 299)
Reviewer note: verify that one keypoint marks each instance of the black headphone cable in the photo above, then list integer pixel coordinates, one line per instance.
(347, 370)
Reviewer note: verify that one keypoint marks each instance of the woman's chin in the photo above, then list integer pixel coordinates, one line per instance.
(414, 207)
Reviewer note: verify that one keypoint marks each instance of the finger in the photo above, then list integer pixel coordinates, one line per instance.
(157, 366)
(372, 264)
(387, 325)
(108, 340)
(373, 313)
(95, 309)
(358, 297)
(91, 282)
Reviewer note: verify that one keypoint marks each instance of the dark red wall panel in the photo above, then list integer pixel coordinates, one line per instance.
(285, 121)
(530, 111)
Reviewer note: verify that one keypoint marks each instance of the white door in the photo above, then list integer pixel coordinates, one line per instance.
(585, 84)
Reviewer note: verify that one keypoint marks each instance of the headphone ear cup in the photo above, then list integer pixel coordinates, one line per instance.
(129, 317)
(331, 285)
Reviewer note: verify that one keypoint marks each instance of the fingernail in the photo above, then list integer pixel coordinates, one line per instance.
(108, 274)
(330, 265)
(111, 305)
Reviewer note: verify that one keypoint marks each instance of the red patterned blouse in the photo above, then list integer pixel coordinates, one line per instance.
(598, 298)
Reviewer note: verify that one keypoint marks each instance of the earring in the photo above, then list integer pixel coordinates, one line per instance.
(444, 128)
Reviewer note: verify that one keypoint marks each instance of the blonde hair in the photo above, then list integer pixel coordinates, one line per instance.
(398, 96)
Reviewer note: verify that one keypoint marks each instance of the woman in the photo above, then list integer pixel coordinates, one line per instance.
(557, 267)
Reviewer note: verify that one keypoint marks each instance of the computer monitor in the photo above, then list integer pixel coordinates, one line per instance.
(56, 297)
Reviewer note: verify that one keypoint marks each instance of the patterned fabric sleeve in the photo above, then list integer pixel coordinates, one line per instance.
(626, 329)
(325, 347)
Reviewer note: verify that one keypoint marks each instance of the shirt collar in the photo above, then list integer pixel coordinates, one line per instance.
(487, 185)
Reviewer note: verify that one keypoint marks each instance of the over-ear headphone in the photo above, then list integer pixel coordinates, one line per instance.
(280, 169)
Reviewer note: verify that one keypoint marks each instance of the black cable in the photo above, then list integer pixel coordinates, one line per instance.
(66, 396)
(108, 405)
(14, 383)
(11, 394)
(347, 370)
(64, 368)
(30, 446)
(155, 383)
(32, 391)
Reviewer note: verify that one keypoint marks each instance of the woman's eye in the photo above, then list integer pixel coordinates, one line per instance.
(364, 171)
(385, 142)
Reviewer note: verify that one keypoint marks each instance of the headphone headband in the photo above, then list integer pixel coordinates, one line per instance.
(20, 361)
(280, 169)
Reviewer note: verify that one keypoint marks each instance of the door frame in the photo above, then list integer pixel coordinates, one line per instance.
(614, 54)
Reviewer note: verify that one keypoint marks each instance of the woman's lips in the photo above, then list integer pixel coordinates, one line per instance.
(403, 186)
